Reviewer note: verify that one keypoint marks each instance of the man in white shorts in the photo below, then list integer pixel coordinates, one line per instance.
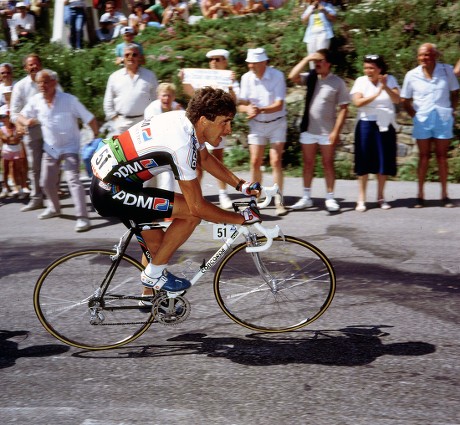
(218, 60)
(262, 98)
(321, 124)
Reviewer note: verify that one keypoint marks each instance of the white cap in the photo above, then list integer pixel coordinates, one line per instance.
(256, 55)
(218, 52)
(127, 30)
(20, 4)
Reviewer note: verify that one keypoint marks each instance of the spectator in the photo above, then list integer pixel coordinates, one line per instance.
(6, 83)
(6, 87)
(156, 12)
(175, 11)
(61, 143)
(321, 124)
(106, 30)
(77, 22)
(430, 96)
(23, 24)
(23, 90)
(318, 17)
(218, 59)
(262, 99)
(12, 156)
(129, 91)
(251, 6)
(375, 95)
(40, 9)
(128, 37)
(213, 9)
(166, 102)
(138, 19)
(118, 19)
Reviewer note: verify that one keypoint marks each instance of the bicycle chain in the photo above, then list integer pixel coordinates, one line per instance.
(119, 324)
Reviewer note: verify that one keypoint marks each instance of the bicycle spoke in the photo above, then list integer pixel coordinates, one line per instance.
(281, 289)
(68, 303)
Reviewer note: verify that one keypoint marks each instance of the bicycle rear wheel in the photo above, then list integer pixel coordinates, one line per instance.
(279, 290)
(66, 300)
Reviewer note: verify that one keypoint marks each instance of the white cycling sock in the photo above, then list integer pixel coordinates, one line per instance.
(154, 271)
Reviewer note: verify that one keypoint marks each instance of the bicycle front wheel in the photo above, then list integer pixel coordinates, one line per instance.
(279, 290)
(68, 302)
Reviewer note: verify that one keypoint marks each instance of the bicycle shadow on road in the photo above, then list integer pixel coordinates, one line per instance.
(10, 352)
(350, 346)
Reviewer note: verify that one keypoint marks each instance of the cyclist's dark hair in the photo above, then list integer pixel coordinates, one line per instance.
(210, 103)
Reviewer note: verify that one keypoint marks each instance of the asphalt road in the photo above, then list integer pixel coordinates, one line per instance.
(385, 352)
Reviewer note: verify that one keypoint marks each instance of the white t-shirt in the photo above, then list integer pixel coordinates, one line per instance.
(364, 86)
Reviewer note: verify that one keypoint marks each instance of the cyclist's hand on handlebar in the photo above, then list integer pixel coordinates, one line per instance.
(251, 214)
(250, 188)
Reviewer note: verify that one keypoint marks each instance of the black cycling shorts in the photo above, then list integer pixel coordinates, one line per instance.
(131, 201)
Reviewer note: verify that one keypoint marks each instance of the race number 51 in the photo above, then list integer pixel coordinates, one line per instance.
(223, 231)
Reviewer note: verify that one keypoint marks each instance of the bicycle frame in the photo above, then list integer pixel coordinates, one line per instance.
(250, 237)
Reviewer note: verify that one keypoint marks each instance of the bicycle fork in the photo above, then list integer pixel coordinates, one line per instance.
(269, 279)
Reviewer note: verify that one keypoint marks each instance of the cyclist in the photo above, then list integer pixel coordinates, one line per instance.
(170, 141)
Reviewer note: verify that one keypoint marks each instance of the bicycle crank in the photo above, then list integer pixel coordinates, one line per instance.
(170, 311)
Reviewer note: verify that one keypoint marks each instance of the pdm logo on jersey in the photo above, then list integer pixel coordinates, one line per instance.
(141, 201)
(146, 134)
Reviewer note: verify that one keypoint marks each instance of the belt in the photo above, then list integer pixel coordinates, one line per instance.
(131, 116)
(266, 122)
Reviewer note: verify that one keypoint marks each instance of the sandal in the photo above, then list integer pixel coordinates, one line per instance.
(447, 203)
(419, 203)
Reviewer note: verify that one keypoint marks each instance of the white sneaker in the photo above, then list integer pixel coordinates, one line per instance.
(82, 225)
(32, 205)
(21, 194)
(302, 203)
(225, 202)
(48, 213)
(361, 206)
(4, 193)
(332, 205)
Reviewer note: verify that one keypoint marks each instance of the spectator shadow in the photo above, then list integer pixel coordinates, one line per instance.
(350, 346)
(10, 351)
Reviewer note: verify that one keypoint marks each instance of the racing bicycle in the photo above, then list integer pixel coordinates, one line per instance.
(264, 280)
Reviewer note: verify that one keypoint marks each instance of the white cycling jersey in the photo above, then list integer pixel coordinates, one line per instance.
(164, 142)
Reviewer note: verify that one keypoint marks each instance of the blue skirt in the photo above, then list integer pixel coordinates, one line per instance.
(375, 151)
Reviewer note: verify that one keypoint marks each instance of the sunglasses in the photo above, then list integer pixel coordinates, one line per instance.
(131, 55)
(215, 59)
(372, 57)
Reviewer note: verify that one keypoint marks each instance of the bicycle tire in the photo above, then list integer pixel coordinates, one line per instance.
(63, 294)
(303, 285)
